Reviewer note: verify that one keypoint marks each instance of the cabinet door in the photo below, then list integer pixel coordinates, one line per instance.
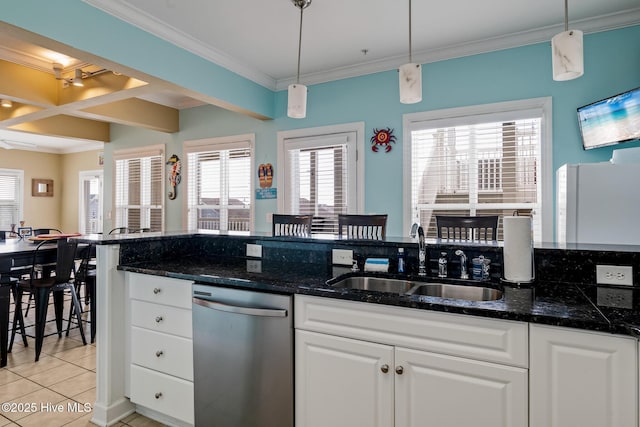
(580, 378)
(340, 382)
(446, 391)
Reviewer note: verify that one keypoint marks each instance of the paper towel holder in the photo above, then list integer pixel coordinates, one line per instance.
(518, 282)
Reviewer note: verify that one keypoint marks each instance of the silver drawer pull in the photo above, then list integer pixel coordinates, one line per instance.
(159, 319)
(384, 368)
(156, 290)
(399, 370)
(159, 353)
(158, 395)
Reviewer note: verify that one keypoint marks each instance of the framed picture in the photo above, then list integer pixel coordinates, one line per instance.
(25, 232)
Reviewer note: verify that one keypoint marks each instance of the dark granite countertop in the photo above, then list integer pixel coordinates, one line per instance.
(569, 305)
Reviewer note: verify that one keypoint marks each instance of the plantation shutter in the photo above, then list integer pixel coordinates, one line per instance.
(10, 198)
(318, 179)
(139, 188)
(219, 187)
(476, 168)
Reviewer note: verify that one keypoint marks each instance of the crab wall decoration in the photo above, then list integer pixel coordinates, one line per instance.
(384, 138)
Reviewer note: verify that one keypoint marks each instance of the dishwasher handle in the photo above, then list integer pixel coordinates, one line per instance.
(262, 312)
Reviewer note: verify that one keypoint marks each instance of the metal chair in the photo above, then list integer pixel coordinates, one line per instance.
(86, 275)
(291, 225)
(41, 288)
(366, 227)
(39, 231)
(119, 230)
(467, 227)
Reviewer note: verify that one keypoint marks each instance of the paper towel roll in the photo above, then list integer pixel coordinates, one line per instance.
(518, 249)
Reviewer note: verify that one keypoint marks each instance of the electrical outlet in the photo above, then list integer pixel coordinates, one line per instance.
(342, 257)
(254, 250)
(614, 275)
(613, 297)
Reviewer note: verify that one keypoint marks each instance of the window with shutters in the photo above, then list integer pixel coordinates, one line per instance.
(320, 175)
(219, 183)
(487, 162)
(139, 188)
(11, 184)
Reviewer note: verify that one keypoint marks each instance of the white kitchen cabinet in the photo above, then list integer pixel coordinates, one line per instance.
(374, 365)
(582, 378)
(161, 348)
(340, 382)
(445, 391)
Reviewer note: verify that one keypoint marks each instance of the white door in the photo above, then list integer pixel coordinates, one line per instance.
(582, 378)
(445, 391)
(90, 198)
(341, 382)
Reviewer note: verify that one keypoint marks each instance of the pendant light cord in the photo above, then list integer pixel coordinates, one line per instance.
(410, 32)
(299, 45)
(566, 15)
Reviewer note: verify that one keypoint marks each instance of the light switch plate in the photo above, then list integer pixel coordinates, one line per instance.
(254, 250)
(342, 257)
(614, 275)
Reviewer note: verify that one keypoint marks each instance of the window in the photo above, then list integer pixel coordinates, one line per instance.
(90, 202)
(320, 174)
(139, 188)
(219, 183)
(10, 198)
(486, 160)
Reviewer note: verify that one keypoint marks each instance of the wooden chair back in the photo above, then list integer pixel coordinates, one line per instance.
(364, 227)
(467, 227)
(291, 225)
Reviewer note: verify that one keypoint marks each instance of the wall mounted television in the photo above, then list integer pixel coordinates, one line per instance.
(611, 120)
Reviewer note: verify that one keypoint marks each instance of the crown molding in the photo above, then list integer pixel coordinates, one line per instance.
(140, 19)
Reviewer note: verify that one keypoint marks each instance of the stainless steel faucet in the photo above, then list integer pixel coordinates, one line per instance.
(422, 253)
(463, 264)
(414, 229)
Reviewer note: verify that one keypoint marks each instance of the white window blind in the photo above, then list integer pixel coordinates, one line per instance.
(476, 168)
(139, 188)
(320, 178)
(10, 198)
(219, 184)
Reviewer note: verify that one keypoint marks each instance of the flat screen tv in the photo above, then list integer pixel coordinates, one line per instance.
(611, 120)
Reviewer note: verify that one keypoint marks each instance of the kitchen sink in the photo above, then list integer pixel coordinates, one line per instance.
(446, 290)
(376, 284)
(408, 287)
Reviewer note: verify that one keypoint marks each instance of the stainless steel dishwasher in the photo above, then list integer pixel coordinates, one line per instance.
(242, 358)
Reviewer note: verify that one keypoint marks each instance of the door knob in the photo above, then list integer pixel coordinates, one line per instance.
(384, 368)
(399, 370)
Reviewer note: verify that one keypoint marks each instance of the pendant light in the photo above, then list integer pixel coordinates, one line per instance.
(567, 56)
(410, 76)
(297, 101)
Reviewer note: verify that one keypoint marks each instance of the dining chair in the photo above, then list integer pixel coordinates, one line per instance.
(7, 282)
(119, 230)
(86, 275)
(42, 288)
(367, 227)
(467, 227)
(291, 225)
(40, 231)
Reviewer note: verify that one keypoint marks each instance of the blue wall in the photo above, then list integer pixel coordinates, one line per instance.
(612, 65)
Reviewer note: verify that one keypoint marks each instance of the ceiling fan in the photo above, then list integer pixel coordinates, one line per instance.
(11, 145)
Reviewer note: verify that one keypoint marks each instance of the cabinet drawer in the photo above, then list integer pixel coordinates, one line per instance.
(163, 393)
(166, 353)
(161, 290)
(161, 318)
(491, 340)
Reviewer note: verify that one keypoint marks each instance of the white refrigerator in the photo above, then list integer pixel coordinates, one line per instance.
(598, 203)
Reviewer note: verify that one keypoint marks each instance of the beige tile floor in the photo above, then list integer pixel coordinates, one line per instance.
(59, 389)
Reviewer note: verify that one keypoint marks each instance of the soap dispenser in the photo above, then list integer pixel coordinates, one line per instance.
(442, 265)
(400, 260)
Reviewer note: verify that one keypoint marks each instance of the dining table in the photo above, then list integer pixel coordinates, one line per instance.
(20, 252)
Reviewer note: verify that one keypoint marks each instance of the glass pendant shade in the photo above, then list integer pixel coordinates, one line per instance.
(567, 55)
(410, 76)
(297, 103)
